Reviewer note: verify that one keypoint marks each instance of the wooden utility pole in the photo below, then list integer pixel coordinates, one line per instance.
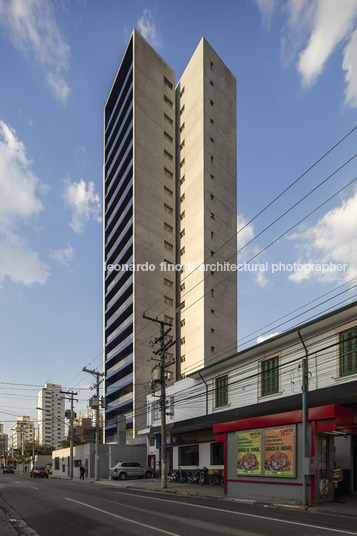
(163, 365)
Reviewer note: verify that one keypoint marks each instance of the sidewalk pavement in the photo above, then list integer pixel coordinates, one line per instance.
(346, 507)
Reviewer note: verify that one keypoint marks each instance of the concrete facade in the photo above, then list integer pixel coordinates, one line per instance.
(136, 207)
(145, 196)
(51, 418)
(24, 431)
(207, 209)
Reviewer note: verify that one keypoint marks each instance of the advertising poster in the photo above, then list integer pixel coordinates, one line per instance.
(249, 452)
(324, 489)
(279, 452)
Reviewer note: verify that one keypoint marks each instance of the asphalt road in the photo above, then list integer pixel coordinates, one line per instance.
(71, 508)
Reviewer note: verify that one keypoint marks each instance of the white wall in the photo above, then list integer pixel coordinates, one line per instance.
(244, 380)
(204, 458)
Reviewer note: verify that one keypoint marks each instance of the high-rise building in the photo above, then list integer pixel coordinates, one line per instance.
(23, 432)
(169, 199)
(206, 185)
(51, 416)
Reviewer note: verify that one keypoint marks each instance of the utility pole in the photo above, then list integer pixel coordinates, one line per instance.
(305, 387)
(163, 376)
(96, 406)
(71, 398)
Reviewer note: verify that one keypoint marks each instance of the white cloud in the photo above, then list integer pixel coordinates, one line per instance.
(64, 256)
(333, 239)
(147, 28)
(33, 29)
(350, 66)
(266, 8)
(313, 31)
(263, 338)
(332, 22)
(262, 279)
(18, 184)
(245, 235)
(84, 203)
(19, 262)
(18, 204)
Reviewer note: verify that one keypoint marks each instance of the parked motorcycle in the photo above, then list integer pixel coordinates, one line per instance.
(177, 476)
(198, 477)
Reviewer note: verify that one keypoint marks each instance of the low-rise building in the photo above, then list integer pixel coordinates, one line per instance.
(265, 379)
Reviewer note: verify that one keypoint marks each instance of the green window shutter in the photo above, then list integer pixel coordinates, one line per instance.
(348, 352)
(221, 391)
(270, 376)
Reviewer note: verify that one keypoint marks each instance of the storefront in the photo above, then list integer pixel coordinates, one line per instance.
(264, 456)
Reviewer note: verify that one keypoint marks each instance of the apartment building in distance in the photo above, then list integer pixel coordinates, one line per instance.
(23, 432)
(169, 199)
(4, 441)
(51, 416)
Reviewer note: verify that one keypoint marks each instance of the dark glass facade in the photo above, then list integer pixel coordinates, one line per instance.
(118, 250)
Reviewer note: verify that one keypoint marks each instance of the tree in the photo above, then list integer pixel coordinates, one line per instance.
(76, 441)
(32, 448)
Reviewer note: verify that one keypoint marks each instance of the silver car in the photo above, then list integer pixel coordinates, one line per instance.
(123, 470)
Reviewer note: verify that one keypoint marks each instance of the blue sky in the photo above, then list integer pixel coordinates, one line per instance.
(296, 69)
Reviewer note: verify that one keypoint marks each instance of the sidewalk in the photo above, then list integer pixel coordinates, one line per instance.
(347, 506)
(6, 528)
(154, 484)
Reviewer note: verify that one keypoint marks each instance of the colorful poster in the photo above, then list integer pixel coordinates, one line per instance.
(279, 451)
(324, 489)
(249, 452)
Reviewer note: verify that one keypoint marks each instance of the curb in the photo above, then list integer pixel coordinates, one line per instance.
(277, 506)
(13, 522)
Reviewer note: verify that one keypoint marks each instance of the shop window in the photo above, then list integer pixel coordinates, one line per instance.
(348, 352)
(222, 391)
(217, 456)
(270, 376)
(189, 455)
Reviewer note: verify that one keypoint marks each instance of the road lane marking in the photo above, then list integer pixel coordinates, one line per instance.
(156, 529)
(33, 487)
(256, 516)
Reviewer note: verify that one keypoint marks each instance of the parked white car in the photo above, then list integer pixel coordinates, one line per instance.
(123, 470)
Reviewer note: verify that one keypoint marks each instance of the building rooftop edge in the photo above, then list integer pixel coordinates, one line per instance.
(277, 337)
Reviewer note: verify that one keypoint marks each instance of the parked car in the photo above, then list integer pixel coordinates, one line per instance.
(8, 469)
(39, 471)
(123, 470)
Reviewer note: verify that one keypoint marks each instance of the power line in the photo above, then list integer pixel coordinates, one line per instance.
(287, 348)
(261, 212)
